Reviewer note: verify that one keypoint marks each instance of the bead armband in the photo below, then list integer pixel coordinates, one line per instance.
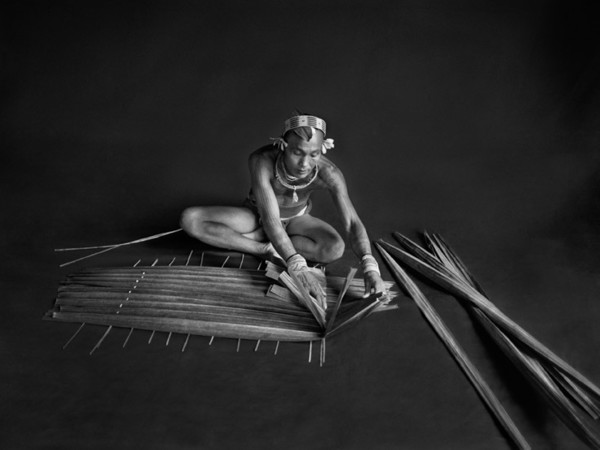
(369, 264)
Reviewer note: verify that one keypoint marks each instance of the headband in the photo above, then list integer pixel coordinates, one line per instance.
(304, 121)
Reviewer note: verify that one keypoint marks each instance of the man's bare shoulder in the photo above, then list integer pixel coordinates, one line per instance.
(262, 159)
(330, 174)
(267, 152)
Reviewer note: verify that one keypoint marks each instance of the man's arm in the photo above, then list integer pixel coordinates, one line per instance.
(261, 171)
(355, 231)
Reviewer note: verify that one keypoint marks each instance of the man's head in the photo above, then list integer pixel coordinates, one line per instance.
(303, 151)
(303, 142)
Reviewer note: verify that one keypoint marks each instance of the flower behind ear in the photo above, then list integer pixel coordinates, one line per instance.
(279, 143)
(327, 145)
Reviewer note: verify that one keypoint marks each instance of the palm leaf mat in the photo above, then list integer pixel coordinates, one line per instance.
(225, 301)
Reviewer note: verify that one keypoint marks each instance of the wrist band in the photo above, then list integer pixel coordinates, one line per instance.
(296, 262)
(291, 256)
(369, 264)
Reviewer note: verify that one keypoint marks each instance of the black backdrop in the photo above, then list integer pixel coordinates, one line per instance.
(475, 119)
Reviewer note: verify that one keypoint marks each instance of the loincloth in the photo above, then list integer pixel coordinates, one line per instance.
(285, 220)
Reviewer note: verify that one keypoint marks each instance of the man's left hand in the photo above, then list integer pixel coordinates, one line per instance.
(374, 284)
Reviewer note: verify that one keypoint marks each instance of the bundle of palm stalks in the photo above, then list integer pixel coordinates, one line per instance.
(572, 396)
(228, 302)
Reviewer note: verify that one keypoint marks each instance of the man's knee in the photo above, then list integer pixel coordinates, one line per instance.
(191, 218)
(332, 250)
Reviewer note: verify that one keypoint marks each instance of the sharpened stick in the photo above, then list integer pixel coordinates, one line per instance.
(172, 261)
(242, 261)
(276, 348)
(97, 346)
(151, 336)
(189, 257)
(107, 248)
(257, 344)
(225, 262)
(168, 338)
(128, 336)
(185, 343)
(456, 351)
(111, 246)
(73, 337)
(212, 338)
(86, 257)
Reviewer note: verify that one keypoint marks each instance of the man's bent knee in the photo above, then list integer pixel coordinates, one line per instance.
(191, 218)
(331, 250)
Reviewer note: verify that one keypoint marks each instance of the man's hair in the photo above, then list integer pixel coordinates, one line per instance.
(305, 133)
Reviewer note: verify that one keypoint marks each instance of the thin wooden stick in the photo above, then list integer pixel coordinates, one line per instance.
(107, 248)
(276, 348)
(202, 259)
(212, 338)
(73, 337)
(137, 262)
(257, 344)
(111, 246)
(225, 262)
(259, 264)
(338, 302)
(155, 262)
(168, 338)
(151, 336)
(456, 351)
(356, 314)
(86, 257)
(185, 343)
(172, 261)
(128, 336)
(242, 261)
(189, 257)
(238, 345)
(101, 339)
(322, 353)
(309, 351)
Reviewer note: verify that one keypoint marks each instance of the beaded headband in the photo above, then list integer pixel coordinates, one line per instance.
(304, 121)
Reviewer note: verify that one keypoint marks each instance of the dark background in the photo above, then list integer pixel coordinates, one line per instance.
(475, 119)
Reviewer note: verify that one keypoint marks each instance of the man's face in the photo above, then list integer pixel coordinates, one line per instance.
(301, 156)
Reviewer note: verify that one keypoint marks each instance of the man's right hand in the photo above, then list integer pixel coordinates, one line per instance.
(309, 278)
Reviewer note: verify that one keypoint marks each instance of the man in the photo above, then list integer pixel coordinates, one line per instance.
(275, 220)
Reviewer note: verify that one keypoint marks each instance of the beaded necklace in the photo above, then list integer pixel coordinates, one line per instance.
(286, 177)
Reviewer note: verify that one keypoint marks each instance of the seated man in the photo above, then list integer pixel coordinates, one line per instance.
(275, 218)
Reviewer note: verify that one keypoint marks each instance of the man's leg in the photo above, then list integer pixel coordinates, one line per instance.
(315, 239)
(229, 227)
